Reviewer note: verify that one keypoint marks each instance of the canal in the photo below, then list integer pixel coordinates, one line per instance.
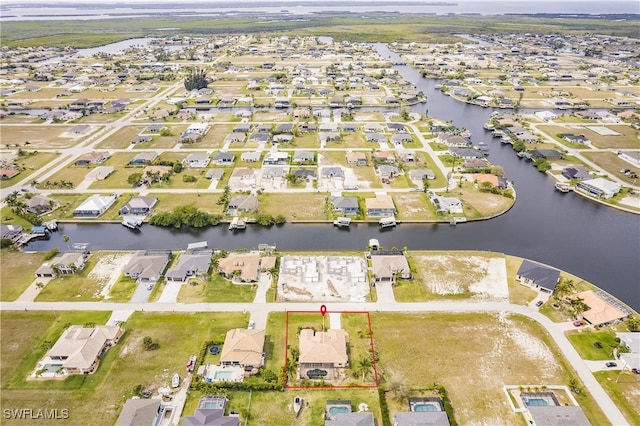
(592, 241)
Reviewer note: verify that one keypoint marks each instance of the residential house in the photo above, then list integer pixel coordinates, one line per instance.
(79, 349)
(242, 204)
(10, 232)
(325, 137)
(387, 171)
(210, 417)
(434, 415)
(65, 264)
(406, 155)
(147, 266)
(387, 157)
(380, 206)
(242, 128)
(322, 353)
(375, 137)
(332, 172)
(197, 160)
(465, 153)
(80, 129)
(538, 276)
(350, 127)
(417, 176)
(144, 158)
(39, 204)
(396, 127)
(451, 205)
(243, 267)
(600, 187)
(8, 173)
(190, 265)
(577, 173)
(281, 102)
(631, 359)
(154, 128)
(570, 137)
(389, 266)
(243, 347)
(303, 157)
(214, 174)
(346, 206)
(250, 157)
(602, 311)
(356, 158)
(276, 158)
(307, 127)
(558, 415)
(141, 139)
(475, 163)
(400, 138)
(350, 419)
(138, 205)
(94, 206)
(92, 158)
(284, 128)
(547, 154)
(140, 412)
(306, 174)
(223, 158)
(259, 138)
(235, 138)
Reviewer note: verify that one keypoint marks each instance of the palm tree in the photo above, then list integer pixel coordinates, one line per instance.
(66, 239)
(364, 366)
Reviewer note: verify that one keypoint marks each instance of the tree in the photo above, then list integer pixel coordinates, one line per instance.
(66, 239)
(633, 322)
(134, 179)
(149, 344)
(364, 366)
(195, 80)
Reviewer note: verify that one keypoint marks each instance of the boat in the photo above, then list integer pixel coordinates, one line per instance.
(131, 222)
(488, 126)
(497, 134)
(342, 222)
(191, 364)
(51, 225)
(237, 224)
(175, 381)
(297, 405)
(563, 187)
(387, 222)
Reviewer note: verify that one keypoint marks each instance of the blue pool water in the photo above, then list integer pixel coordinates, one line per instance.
(336, 410)
(421, 408)
(222, 375)
(536, 402)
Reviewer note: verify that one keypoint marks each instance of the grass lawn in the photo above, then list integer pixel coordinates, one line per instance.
(17, 272)
(518, 293)
(123, 289)
(367, 176)
(501, 349)
(214, 137)
(74, 287)
(70, 173)
(274, 341)
(66, 205)
(10, 218)
(484, 203)
(612, 164)
(586, 339)
(122, 138)
(623, 389)
(628, 137)
(205, 202)
(326, 158)
(39, 136)
(97, 399)
(29, 164)
(414, 206)
(217, 289)
(302, 206)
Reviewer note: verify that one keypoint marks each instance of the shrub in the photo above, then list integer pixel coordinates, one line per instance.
(51, 254)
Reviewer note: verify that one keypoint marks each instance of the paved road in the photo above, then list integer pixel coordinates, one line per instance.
(261, 310)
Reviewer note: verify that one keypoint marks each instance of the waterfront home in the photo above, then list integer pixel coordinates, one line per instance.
(389, 266)
(345, 206)
(242, 204)
(537, 276)
(603, 310)
(451, 205)
(600, 187)
(577, 173)
(64, 264)
(631, 359)
(322, 353)
(138, 205)
(10, 232)
(547, 154)
(189, 265)
(79, 349)
(380, 206)
(94, 206)
(243, 267)
(147, 266)
(243, 347)
(39, 204)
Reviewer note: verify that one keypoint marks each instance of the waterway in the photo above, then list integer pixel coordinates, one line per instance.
(592, 241)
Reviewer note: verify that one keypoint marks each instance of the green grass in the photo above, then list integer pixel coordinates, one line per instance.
(215, 290)
(623, 389)
(123, 289)
(584, 341)
(73, 287)
(97, 398)
(29, 165)
(17, 272)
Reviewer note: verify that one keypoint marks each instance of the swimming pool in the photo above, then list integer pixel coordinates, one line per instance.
(422, 408)
(536, 402)
(339, 409)
(222, 375)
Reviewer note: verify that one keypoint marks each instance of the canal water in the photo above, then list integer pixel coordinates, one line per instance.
(594, 242)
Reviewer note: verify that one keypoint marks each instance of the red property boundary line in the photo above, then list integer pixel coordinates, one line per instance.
(373, 358)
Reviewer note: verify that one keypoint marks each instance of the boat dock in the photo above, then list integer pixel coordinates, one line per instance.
(237, 224)
(132, 222)
(563, 187)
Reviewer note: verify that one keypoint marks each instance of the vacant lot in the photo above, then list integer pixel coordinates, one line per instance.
(414, 206)
(483, 353)
(624, 389)
(304, 206)
(122, 138)
(38, 136)
(17, 271)
(97, 399)
(627, 138)
(215, 290)
(613, 164)
(482, 204)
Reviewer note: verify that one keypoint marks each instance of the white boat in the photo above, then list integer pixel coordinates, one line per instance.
(342, 221)
(132, 222)
(297, 404)
(237, 224)
(387, 222)
(563, 187)
(191, 365)
(175, 380)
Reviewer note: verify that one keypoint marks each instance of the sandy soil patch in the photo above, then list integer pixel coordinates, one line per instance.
(108, 269)
(631, 201)
(445, 274)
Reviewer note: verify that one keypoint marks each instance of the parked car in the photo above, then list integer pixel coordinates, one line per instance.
(611, 364)
(578, 323)
(539, 303)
